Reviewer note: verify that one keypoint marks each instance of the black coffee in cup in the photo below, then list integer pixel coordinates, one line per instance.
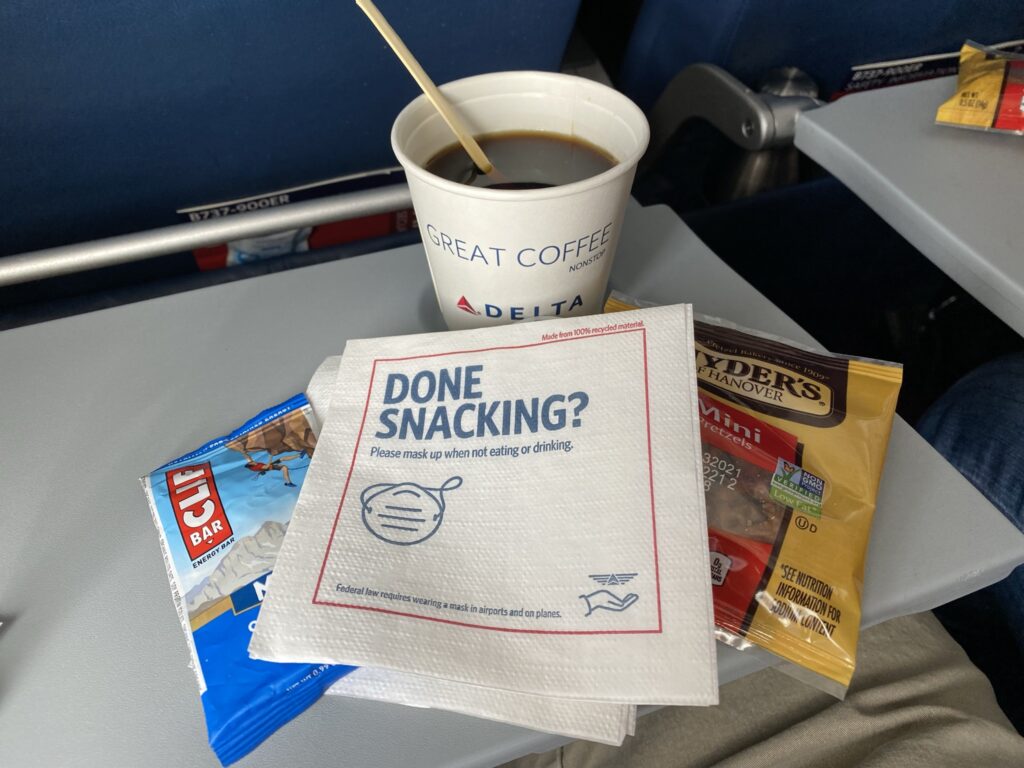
(523, 160)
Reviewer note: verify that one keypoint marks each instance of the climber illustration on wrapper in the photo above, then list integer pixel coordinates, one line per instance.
(289, 433)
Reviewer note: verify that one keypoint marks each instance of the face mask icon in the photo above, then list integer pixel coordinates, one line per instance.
(405, 513)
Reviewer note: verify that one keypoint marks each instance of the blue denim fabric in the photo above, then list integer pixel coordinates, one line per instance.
(978, 425)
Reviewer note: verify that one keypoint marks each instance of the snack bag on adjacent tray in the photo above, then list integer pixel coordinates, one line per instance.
(989, 91)
(794, 442)
(222, 512)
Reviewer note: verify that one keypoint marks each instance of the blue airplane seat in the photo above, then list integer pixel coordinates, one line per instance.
(804, 219)
(824, 39)
(114, 114)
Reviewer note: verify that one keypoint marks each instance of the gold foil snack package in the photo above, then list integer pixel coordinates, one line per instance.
(989, 91)
(794, 442)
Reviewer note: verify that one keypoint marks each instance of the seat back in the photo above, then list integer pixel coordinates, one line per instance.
(823, 38)
(116, 113)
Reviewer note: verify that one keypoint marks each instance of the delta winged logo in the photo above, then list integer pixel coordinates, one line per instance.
(605, 599)
(612, 578)
(465, 306)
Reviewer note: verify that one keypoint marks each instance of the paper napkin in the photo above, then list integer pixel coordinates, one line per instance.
(595, 721)
(517, 507)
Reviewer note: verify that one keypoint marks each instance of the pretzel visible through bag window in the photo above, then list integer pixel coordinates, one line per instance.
(794, 442)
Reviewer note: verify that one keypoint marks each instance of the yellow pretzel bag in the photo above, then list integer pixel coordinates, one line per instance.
(989, 91)
(794, 441)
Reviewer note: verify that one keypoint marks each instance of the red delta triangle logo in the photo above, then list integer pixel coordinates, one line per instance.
(465, 306)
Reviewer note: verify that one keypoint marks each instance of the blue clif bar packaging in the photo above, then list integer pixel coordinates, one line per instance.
(222, 512)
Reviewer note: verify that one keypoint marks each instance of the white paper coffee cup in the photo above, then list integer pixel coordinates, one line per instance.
(496, 255)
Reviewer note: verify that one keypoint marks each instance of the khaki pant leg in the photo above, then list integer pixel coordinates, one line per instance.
(915, 700)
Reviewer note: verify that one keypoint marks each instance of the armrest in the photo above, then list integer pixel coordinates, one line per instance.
(751, 120)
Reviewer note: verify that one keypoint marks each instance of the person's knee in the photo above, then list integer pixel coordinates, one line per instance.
(978, 426)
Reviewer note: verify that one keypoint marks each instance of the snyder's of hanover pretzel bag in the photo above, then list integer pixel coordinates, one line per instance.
(794, 442)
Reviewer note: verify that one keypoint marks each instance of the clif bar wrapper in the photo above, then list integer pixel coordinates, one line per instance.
(222, 512)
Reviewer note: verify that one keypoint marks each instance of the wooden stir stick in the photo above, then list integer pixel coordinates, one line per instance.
(443, 106)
